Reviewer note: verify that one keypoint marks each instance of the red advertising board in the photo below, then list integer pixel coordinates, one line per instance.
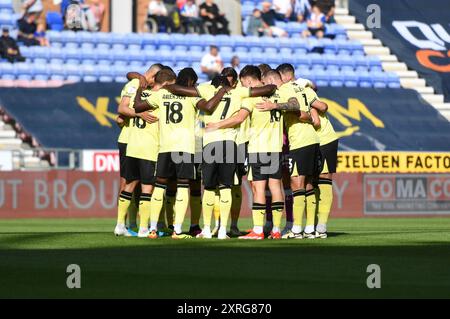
(94, 194)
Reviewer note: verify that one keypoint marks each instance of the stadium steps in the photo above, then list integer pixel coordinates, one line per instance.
(24, 157)
(409, 79)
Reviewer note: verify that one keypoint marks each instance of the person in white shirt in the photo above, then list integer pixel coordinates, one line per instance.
(158, 11)
(190, 17)
(212, 63)
(283, 8)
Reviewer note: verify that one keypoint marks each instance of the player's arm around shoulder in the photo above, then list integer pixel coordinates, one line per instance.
(211, 104)
(182, 90)
(266, 90)
(316, 103)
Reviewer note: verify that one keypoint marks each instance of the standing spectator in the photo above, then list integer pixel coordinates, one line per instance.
(9, 49)
(212, 63)
(269, 17)
(255, 25)
(98, 10)
(236, 64)
(40, 35)
(315, 23)
(283, 8)
(27, 29)
(210, 12)
(158, 11)
(301, 10)
(190, 17)
(32, 7)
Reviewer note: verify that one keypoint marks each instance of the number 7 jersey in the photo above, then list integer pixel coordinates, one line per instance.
(177, 120)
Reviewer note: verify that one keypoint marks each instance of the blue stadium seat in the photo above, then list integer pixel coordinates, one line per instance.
(89, 78)
(102, 46)
(87, 46)
(54, 21)
(41, 77)
(365, 79)
(119, 47)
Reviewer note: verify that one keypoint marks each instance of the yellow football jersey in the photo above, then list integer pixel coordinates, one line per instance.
(299, 134)
(265, 128)
(143, 139)
(326, 132)
(129, 90)
(177, 121)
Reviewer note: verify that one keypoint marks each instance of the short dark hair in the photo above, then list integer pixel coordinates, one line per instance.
(251, 71)
(185, 76)
(286, 68)
(165, 75)
(230, 72)
(264, 68)
(214, 47)
(273, 73)
(220, 80)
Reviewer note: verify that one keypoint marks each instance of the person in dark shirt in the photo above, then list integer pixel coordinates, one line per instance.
(9, 49)
(27, 29)
(209, 11)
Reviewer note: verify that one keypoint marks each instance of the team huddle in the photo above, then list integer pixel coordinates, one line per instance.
(178, 138)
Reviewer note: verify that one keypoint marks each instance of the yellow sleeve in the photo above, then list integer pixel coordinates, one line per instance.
(311, 95)
(206, 91)
(131, 88)
(243, 92)
(248, 105)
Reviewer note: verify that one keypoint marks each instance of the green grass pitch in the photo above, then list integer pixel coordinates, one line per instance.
(413, 253)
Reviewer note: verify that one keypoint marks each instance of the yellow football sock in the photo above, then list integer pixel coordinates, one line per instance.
(196, 207)
(299, 209)
(208, 200)
(157, 202)
(277, 215)
(169, 206)
(144, 210)
(181, 205)
(122, 206)
(259, 214)
(236, 203)
(310, 207)
(217, 208)
(326, 200)
(225, 205)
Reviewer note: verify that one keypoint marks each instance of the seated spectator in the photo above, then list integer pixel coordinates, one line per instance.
(283, 8)
(158, 11)
(301, 10)
(32, 7)
(315, 23)
(98, 10)
(210, 12)
(212, 63)
(27, 29)
(255, 24)
(40, 35)
(327, 7)
(9, 49)
(236, 64)
(181, 3)
(269, 18)
(190, 17)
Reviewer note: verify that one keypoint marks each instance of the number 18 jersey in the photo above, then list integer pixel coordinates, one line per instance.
(177, 121)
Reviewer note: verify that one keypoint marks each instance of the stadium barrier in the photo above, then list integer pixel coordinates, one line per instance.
(64, 194)
(82, 116)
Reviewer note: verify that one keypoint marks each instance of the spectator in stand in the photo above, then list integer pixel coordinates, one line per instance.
(255, 25)
(98, 10)
(269, 17)
(327, 7)
(190, 17)
(32, 7)
(9, 49)
(158, 11)
(181, 3)
(209, 11)
(27, 30)
(283, 8)
(315, 23)
(212, 63)
(40, 35)
(301, 10)
(236, 64)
